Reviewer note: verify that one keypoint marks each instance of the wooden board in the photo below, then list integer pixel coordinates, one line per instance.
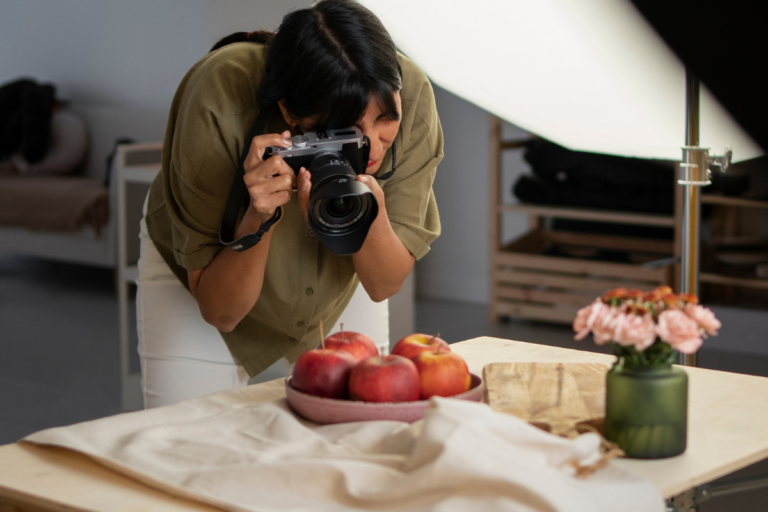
(552, 396)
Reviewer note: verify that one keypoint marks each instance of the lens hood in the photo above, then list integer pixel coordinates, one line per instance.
(343, 235)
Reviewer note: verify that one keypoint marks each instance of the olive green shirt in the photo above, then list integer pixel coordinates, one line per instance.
(211, 114)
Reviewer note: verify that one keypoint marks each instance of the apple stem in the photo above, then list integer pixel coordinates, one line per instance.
(322, 336)
(342, 331)
(439, 346)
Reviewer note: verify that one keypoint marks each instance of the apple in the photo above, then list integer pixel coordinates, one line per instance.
(415, 344)
(389, 378)
(359, 345)
(442, 373)
(323, 373)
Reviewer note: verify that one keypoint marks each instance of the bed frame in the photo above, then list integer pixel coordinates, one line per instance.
(105, 125)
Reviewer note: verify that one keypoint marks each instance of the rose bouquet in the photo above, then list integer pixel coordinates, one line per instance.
(646, 328)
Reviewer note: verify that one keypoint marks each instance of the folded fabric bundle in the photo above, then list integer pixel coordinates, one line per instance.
(229, 451)
(51, 203)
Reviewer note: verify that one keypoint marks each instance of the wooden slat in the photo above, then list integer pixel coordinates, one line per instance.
(494, 197)
(515, 144)
(641, 219)
(565, 281)
(738, 281)
(563, 314)
(733, 201)
(578, 300)
(576, 266)
(620, 243)
(532, 242)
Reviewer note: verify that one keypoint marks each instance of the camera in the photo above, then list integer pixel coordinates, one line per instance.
(341, 210)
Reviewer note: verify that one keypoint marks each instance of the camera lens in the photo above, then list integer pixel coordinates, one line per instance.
(340, 207)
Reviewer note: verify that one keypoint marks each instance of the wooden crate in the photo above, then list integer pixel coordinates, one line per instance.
(528, 284)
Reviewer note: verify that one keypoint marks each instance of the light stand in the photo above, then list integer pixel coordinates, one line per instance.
(694, 174)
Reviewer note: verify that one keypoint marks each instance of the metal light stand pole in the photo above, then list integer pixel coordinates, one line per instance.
(694, 174)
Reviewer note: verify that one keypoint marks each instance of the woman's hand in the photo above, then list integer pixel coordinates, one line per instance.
(304, 185)
(373, 184)
(269, 182)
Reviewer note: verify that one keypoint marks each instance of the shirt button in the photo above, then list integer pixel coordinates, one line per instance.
(309, 291)
(300, 323)
(292, 339)
(311, 234)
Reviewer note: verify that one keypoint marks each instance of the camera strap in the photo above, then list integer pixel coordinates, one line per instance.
(389, 174)
(238, 196)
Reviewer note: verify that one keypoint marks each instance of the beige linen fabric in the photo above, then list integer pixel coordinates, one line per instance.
(232, 452)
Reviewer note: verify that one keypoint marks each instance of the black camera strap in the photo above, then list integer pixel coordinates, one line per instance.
(389, 174)
(238, 196)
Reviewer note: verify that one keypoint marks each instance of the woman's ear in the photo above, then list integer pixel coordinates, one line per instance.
(284, 110)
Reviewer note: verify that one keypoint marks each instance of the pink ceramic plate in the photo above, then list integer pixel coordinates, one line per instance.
(328, 410)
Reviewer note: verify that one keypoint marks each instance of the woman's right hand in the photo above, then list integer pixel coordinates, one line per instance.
(270, 182)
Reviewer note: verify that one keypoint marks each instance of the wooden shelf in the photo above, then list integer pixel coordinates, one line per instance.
(748, 282)
(733, 201)
(642, 219)
(526, 282)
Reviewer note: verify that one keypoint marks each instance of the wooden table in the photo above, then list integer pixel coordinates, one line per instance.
(727, 431)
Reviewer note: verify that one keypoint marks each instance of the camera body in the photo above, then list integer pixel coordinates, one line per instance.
(341, 210)
(350, 143)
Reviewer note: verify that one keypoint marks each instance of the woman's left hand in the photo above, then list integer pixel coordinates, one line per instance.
(304, 185)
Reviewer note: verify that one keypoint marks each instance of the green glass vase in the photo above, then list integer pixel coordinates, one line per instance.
(646, 410)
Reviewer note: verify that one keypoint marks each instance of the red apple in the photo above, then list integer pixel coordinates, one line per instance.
(359, 345)
(384, 379)
(323, 373)
(442, 373)
(415, 344)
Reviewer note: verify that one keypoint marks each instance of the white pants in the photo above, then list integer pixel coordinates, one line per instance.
(184, 357)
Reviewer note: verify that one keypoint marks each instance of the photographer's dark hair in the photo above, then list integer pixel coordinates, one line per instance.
(328, 61)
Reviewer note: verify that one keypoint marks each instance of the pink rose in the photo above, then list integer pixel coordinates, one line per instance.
(704, 317)
(602, 321)
(636, 330)
(679, 330)
(581, 323)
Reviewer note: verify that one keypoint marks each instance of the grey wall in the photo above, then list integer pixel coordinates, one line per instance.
(101, 52)
(457, 266)
(121, 53)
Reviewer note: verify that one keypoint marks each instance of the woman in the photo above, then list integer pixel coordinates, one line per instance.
(329, 66)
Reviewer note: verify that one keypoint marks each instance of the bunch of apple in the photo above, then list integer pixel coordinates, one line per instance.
(349, 366)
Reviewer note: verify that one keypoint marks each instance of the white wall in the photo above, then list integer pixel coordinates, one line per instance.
(457, 267)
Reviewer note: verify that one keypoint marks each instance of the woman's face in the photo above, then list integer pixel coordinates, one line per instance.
(375, 124)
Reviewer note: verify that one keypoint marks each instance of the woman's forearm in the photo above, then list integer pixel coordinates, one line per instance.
(230, 285)
(383, 263)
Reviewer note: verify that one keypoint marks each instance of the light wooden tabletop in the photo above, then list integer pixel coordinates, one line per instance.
(727, 417)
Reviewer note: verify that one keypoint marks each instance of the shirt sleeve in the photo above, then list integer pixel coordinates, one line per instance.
(410, 200)
(201, 173)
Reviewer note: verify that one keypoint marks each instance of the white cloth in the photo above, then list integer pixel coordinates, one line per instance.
(182, 356)
(232, 451)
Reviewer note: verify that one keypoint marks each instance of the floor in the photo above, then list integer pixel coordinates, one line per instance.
(59, 355)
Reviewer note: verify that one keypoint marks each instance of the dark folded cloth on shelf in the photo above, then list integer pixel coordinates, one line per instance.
(53, 203)
(572, 178)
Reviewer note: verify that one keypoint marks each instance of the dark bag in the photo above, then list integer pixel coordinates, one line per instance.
(26, 109)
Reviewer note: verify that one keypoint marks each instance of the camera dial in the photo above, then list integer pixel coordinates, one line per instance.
(299, 141)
